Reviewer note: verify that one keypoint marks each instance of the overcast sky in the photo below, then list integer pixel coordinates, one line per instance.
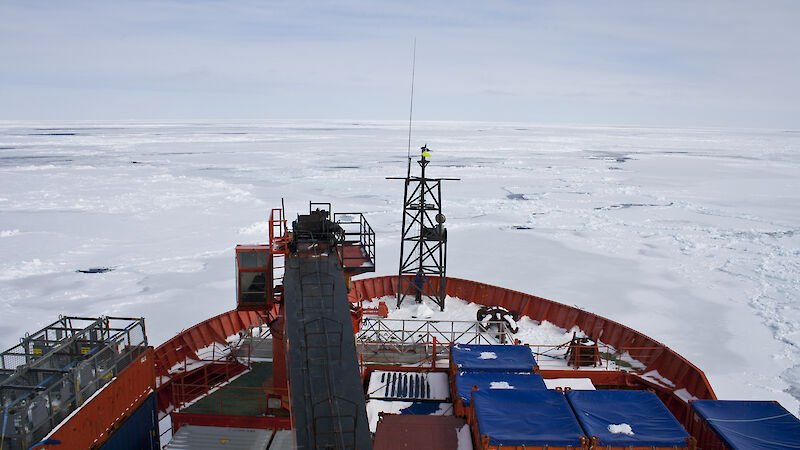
(669, 63)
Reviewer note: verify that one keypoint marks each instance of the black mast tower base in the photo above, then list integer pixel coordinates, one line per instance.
(423, 247)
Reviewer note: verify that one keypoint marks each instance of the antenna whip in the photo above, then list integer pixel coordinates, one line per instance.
(411, 108)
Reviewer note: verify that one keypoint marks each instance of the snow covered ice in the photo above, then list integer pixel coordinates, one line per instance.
(689, 236)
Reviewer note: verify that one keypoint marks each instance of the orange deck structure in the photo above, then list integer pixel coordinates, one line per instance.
(655, 355)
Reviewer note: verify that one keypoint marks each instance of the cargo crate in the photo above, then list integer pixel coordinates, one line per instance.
(723, 424)
(529, 419)
(625, 419)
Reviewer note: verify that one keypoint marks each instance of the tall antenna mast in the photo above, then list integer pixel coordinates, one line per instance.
(423, 245)
(411, 108)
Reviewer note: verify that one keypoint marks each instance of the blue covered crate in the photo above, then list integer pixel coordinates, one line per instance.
(531, 418)
(757, 425)
(491, 358)
(627, 418)
(494, 381)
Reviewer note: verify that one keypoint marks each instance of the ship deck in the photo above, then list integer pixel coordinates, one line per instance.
(242, 396)
(417, 339)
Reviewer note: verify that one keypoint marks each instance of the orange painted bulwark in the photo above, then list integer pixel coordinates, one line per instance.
(97, 419)
(188, 342)
(653, 354)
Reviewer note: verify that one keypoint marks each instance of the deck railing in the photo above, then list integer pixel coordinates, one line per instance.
(357, 231)
(446, 332)
(421, 341)
(229, 400)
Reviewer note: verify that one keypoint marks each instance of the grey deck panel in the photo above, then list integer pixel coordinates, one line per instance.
(283, 440)
(195, 437)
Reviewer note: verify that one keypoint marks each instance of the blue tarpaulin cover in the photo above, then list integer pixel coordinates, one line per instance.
(484, 380)
(650, 421)
(493, 358)
(520, 417)
(750, 424)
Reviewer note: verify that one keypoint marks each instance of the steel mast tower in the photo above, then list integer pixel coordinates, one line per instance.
(423, 247)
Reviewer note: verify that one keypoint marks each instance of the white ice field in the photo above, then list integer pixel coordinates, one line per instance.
(689, 236)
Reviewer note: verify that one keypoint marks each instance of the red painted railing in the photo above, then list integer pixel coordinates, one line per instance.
(210, 373)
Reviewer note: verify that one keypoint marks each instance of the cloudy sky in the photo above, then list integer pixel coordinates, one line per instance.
(673, 63)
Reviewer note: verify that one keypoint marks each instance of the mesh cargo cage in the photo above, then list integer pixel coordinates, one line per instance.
(55, 370)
